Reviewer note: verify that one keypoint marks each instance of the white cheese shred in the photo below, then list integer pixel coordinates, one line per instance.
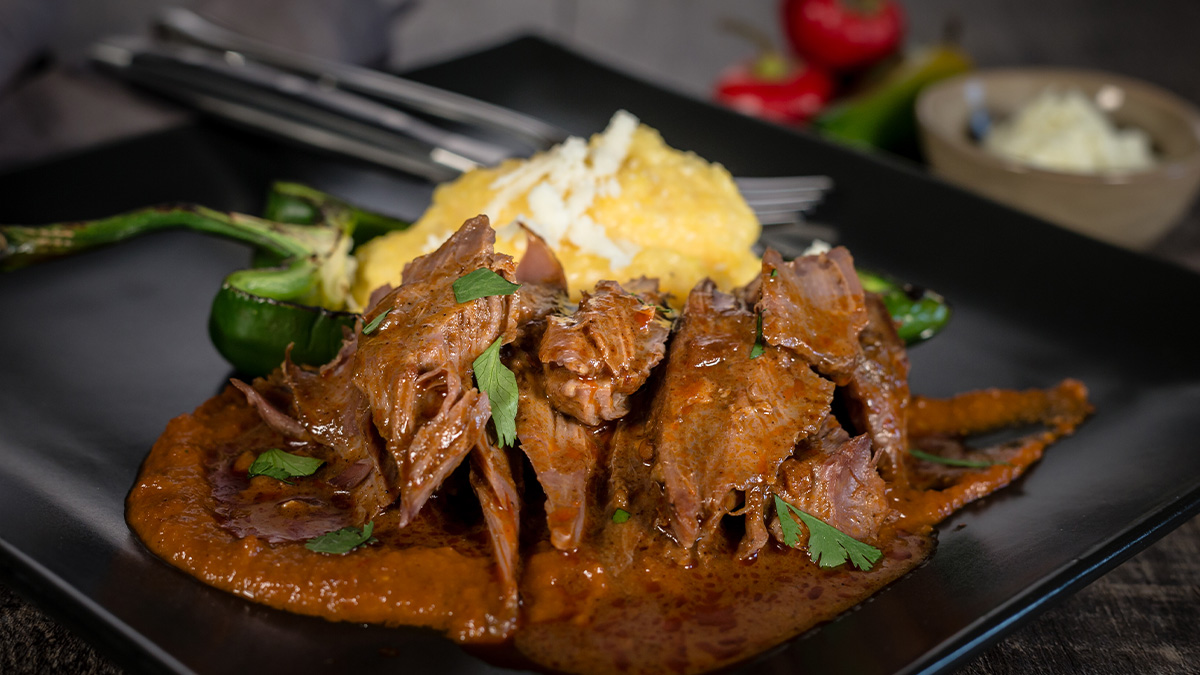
(561, 184)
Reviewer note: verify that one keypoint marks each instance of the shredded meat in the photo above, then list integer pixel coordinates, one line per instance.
(723, 421)
(877, 394)
(814, 306)
(415, 367)
(564, 455)
(634, 427)
(832, 477)
(597, 357)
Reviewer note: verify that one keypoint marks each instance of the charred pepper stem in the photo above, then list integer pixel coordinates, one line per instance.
(21, 246)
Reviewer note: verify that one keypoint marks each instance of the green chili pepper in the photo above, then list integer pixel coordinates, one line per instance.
(296, 294)
(919, 313)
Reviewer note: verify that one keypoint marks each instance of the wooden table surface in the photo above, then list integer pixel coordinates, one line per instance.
(1140, 618)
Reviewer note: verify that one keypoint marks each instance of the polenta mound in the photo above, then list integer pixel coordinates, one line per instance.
(619, 206)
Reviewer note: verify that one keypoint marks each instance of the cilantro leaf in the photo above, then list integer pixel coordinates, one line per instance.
(492, 377)
(951, 461)
(827, 545)
(620, 516)
(370, 328)
(343, 540)
(757, 350)
(282, 465)
(480, 284)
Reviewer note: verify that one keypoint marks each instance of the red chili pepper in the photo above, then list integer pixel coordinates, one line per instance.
(843, 35)
(776, 89)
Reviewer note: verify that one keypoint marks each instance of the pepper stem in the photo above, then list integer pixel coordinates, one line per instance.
(21, 246)
(771, 63)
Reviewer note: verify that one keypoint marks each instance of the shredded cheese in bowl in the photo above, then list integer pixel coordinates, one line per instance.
(1066, 131)
(618, 206)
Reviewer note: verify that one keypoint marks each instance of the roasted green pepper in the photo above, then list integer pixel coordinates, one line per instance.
(919, 313)
(297, 292)
(253, 329)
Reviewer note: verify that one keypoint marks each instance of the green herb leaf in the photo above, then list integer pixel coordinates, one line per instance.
(774, 273)
(620, 516)
(371, 327)
(827, 545)
(343, 540)
(951, 461)
(492, 377)
(757, 350)
(480, 284)
(282, 465)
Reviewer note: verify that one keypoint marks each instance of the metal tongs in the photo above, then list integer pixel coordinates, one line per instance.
(358, 112)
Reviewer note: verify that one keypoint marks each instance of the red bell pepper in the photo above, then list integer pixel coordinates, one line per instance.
(843, 35)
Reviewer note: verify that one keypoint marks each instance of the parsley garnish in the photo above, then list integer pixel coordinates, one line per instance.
(827, 545)
(492, 377)
(951, 461)
(757, 350)
(370, 328)
(343, 540)
(774, 273)
(480, 284)
(620, 516)
(282, 465)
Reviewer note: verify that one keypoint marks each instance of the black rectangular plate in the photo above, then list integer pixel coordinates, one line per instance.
(99, 351)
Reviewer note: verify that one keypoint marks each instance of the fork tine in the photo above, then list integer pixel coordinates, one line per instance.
(783, 184)
(778, 201)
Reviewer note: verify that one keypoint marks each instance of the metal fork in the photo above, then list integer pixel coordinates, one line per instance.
(321, 103)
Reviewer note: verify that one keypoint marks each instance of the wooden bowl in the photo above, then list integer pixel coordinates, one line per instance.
(1130, 209)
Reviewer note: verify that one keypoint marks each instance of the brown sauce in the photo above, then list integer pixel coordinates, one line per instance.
(578, 614)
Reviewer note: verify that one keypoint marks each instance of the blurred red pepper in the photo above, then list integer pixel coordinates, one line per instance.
(772, 86)
(776, 89)
(843, 35)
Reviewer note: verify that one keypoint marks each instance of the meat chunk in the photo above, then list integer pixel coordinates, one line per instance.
(543, 288)
(721, 420)
(814, 306)
(877, 395)
(335, 413)
(492, 480)
(563, 452)
(597, 357)
(414, 368)
(833, 478)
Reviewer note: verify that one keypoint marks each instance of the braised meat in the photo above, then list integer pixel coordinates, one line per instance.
(877, 394)
(415, 367)
(595, 358)
(335, 412)
(723, 421)
(833, 478)
(543, 288)
(563, 452)
(814, 306)
(655, 445)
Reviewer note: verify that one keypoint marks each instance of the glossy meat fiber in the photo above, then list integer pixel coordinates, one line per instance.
(722, 421)
(415, 367)
(597, 357)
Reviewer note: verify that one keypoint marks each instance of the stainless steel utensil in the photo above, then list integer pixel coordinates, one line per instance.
(321, 103)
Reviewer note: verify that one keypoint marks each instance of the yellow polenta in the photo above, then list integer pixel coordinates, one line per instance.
(620, 206)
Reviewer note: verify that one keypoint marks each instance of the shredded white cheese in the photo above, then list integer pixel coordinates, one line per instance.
(1066, 131)
(561, 185)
